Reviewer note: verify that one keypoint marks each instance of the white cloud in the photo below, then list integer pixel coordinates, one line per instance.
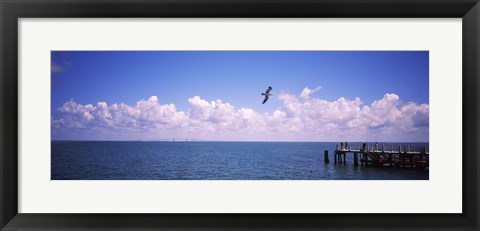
(307, 92)
(59, 66)
(55, 68)
(299, 118)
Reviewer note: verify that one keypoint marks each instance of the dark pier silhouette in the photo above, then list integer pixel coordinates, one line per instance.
(400, 156)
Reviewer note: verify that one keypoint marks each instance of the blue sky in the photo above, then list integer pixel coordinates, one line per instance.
(235, 78)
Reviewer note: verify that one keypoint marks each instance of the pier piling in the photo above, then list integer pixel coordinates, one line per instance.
(325, 157)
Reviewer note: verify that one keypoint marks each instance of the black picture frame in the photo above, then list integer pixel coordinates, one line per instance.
(12, 10)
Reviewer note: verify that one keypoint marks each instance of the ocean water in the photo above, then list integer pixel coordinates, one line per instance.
(129, 160)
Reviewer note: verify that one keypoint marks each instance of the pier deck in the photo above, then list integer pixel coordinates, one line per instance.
(383, 155)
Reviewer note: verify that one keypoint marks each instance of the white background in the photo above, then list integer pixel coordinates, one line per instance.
(441, 194)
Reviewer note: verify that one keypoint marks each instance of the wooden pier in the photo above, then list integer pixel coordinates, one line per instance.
(383, 155)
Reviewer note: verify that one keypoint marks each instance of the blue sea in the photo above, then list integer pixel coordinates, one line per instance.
(132, 160)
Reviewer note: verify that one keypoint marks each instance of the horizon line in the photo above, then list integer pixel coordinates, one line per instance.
(199, 140)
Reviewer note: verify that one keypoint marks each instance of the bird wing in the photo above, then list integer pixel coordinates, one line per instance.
(265, 100)
(268, 90)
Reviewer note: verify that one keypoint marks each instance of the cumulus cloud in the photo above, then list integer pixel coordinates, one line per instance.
(146, 115)
(300, 117)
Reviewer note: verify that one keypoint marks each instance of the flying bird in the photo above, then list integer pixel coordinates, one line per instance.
(267, 94)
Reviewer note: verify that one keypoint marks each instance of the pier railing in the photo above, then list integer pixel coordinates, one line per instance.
(383, 148)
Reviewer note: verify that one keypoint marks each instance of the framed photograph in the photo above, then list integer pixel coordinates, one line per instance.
(125, 115)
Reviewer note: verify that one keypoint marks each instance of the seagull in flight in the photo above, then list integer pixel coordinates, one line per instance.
(267, 94)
